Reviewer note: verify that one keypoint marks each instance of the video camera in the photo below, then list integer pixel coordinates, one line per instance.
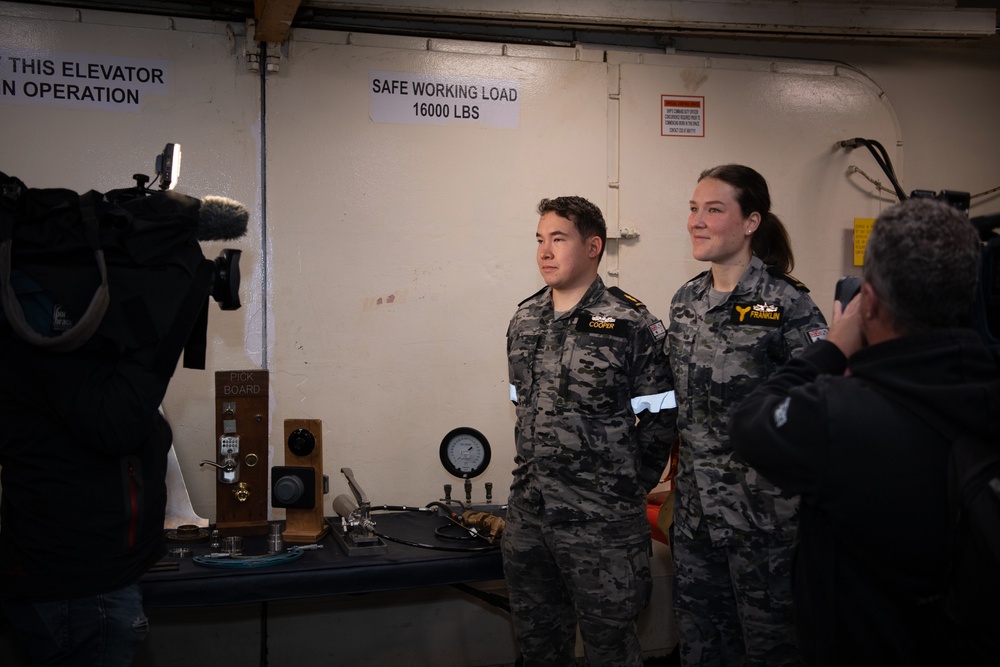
(957, 200)
(986, 308)
(124, 265)
(219, 218)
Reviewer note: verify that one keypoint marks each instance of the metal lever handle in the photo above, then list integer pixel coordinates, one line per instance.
(228, 466)
(355, 489)
(360, 515)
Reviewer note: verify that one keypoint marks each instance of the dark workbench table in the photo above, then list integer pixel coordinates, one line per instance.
(330, 571)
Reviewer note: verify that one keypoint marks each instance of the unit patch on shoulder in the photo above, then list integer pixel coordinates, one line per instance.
(817, 334)
(759, 314)
(604, 324)
(628, 298)
(658, 330)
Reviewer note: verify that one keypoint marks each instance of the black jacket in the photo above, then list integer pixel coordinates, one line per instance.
(862, 450)
(82, 467)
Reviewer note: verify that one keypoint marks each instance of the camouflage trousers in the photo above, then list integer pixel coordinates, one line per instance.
(733, 602)
(594, 573)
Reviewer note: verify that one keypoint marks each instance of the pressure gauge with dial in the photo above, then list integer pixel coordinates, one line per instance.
(465, 452)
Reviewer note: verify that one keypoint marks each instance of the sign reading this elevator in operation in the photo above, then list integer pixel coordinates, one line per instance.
(426, 99)
(80, 80)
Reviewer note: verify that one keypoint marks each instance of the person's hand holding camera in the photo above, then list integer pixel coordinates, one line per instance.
(846, 331)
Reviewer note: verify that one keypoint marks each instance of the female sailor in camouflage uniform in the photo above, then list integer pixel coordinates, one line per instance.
(731, 327)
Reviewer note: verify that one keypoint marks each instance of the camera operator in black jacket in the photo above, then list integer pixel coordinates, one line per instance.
(83, 452)
(85, 359)
(856, 425)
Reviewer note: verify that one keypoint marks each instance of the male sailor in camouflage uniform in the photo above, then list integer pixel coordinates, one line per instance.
(595, 419)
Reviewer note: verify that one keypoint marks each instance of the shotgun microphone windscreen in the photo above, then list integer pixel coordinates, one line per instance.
(221, 219)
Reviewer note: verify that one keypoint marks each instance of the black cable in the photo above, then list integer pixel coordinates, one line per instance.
(429, 507)
(433, 546)
(466, 534)
(881, 157)
(450, 514)
(887, 167)
(398, 508)
(443, 506)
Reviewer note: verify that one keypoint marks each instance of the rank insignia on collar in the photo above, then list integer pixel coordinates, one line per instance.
(756, 314)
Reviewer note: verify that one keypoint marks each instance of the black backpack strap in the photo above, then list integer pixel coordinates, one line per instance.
(85, 328)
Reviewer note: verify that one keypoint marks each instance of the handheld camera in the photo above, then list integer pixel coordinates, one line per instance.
(847, 289)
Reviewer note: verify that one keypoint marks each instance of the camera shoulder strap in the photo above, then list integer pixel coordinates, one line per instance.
(84, 329)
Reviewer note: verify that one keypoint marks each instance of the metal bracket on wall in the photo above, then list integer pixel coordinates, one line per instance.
(251, 49)
(273, 55)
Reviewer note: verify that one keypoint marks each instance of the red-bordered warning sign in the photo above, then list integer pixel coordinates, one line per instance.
(682, 116)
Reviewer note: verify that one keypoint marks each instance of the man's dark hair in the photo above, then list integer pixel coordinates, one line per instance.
(586, 216)
(922, 259)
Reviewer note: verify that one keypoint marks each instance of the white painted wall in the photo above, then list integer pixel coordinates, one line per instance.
(436, 222)
(441, 219)
(778, 116)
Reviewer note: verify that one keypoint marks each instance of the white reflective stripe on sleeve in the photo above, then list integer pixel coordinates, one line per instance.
(513, 394)
(654, 402)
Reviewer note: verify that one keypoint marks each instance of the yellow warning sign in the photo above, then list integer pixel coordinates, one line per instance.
(862, 229)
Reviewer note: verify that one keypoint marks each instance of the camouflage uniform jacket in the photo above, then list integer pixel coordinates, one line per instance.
(718, 356)
(579, 381)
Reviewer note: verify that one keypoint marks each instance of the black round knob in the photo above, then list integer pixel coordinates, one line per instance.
(301, 442)
(288, 490)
